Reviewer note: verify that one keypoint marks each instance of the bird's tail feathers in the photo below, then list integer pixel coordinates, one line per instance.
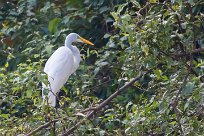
(52, 99)
(47, 94)
(44, 87)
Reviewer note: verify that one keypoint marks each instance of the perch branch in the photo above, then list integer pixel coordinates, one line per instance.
(108, 100)
(93, 110)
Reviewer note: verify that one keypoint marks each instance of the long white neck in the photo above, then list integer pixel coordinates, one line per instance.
(75, 51)
(68, 43)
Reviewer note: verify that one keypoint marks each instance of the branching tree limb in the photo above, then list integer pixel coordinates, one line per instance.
(108, 100)
(92, 110)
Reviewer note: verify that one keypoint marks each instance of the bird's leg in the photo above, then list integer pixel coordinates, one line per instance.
(56, 95)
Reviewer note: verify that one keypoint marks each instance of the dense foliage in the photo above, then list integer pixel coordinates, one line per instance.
(131, 37)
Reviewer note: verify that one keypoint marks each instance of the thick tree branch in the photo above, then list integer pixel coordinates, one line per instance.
(108, 100)
(93, 110)
(197, 50)
(41, 127)
(192, 52)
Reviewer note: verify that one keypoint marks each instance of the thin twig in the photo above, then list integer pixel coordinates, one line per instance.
(76, 125)
(197, 50)
(143, 8)
(192, 19)
(88, 109)
(175, 103)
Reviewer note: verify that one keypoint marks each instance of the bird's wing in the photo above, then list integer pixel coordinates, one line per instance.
(59, 67)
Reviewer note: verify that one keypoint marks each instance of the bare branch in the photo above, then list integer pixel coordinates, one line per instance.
(41, 127)
(192, 52)
(76, 125)
(108, 100)
(197, 50)
(88, 109)
(93, 110)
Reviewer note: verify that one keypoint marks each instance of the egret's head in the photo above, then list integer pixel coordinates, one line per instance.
(74, 37)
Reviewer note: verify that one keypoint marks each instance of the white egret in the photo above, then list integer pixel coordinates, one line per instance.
(62, 63)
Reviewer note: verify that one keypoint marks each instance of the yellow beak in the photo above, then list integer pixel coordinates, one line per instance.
(85, 41)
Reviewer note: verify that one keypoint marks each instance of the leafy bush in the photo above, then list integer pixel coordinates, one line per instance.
(131, 37)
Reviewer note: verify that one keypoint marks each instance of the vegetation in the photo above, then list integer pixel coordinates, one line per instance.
(144, 76)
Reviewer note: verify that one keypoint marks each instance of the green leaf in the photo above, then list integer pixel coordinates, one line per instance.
(186, 105)
(52, 27)
(188, 88)
(7, 64)
(180, 2)
(191, 2)
(135, 3)
(106, 36)
(29, 93)
(102, 133)
(145, 49)
(115, 15)
(158, 73)
(96, 70)
(153, 1)
(6, 116)
(104, 9)
(49, 50)
(173, 1)
(126, 17)
(127, 129)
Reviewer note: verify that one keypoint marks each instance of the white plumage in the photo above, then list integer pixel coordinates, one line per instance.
(62, 63)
